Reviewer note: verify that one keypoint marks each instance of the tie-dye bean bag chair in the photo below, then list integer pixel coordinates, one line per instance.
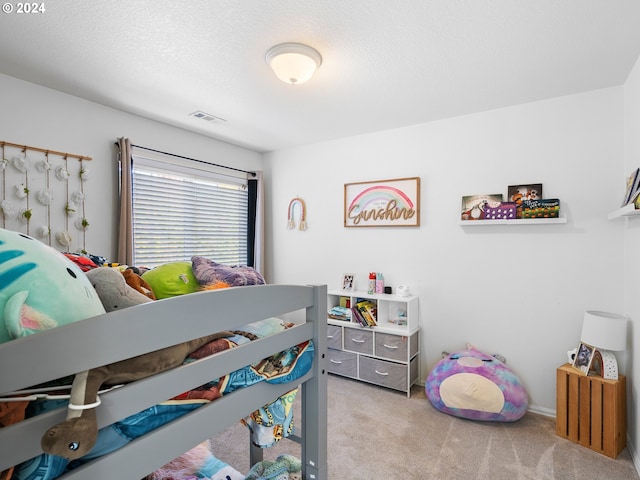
(471, 384)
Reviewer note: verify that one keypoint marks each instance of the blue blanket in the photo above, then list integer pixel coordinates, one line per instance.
(268, 424)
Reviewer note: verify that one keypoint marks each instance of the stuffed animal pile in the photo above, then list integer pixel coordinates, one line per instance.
(41, 288)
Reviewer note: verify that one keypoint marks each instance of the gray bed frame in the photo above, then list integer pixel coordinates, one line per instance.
(117, 335)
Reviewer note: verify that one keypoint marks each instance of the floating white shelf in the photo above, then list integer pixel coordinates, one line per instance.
(517, 221)
(626, 211)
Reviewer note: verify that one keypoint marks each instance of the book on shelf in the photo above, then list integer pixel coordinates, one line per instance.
(632, 187)
(636, 200)
(543, 208)
(473, 206)
(368, 309)
(357, 316)
(502, 211)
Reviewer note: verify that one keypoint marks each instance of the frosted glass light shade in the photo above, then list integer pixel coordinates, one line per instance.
(293, 62)
(606, 331)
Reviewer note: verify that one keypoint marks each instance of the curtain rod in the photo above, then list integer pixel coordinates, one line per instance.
(253, 174)
(44, 150)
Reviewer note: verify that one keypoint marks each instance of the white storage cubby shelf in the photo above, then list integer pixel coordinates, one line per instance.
(387, 354)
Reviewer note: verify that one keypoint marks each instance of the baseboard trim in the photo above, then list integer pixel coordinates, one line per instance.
(547, 412)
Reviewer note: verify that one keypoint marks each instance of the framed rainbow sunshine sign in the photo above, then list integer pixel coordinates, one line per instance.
(382, 203)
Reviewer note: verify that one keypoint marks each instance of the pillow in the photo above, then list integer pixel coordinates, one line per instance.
(477, 386)
(171, 279)
(208, 272)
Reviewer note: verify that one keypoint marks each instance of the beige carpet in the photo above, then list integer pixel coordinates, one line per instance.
(379, 434)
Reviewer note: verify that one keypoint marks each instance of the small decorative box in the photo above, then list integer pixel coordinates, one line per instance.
(501, 211)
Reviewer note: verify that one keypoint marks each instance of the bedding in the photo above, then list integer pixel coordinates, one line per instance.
(267, 425)
(138, 411)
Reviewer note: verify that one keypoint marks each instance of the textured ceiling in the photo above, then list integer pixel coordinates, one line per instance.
(386, 64)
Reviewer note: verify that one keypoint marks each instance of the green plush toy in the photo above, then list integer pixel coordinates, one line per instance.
(171, 279)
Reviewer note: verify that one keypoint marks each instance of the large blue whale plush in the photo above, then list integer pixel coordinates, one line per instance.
(40, 288)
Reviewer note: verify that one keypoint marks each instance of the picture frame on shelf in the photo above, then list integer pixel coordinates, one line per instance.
(597, 367)
(531, 191)
(519, 193)
(543, 208)
(348, 282)
(584, 357)
(632, 187)
(473, 206)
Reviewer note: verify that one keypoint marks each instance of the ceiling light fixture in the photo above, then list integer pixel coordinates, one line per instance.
(293, 62)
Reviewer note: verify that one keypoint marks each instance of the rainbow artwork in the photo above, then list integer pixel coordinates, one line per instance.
(381, 204)
(379, 197)
(297, 202)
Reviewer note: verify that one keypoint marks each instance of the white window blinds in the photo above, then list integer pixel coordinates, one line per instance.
(180, 211)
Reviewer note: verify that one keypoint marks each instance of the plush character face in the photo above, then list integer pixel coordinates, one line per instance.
(471, 384)
(40, 288)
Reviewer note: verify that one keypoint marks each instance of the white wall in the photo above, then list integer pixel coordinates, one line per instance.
(40, 117)
(632, 261)
(516, 290)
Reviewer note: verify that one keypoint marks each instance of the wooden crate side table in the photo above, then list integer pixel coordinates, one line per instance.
(591, 411)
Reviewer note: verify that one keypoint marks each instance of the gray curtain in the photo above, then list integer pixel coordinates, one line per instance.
(125, 231)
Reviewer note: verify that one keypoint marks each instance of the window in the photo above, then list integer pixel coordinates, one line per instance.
(180, 211)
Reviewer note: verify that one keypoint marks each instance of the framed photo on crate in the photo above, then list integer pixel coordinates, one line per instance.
(584, 358)
(348, 282)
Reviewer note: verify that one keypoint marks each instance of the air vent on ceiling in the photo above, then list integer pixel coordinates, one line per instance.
(208, 117)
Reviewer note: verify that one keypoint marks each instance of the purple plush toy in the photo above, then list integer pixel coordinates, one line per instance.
(473, 385)
(208, 272)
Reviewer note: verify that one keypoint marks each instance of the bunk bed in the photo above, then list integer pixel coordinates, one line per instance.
(97, 341)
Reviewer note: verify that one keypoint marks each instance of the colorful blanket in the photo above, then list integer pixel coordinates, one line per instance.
(268, 424)
(281, 367)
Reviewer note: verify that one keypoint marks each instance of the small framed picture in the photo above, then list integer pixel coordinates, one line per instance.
(583, 358)
(347, 282)
(520, 193)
